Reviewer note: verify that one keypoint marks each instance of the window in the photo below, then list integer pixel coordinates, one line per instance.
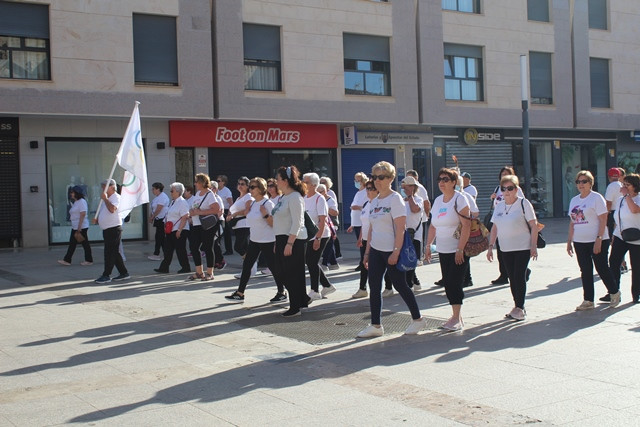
(24, 41)
(540, 78)
(262, 69)
(538, 10)
(599, 70)
(471, 6)
(598, 14)
(155, 50)
(367, 70)
(463, 72)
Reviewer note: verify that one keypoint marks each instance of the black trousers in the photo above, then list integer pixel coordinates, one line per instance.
(201, 239)
(253, 251)
(179, 245)
(503, 269)
(516, 263)
(291, 270)
(112, 257)
(619, 248)
(586, 260)
(228, 231)
(85, 245)
(313, 260)
(158, 224)
(453, 275)
(242, 240)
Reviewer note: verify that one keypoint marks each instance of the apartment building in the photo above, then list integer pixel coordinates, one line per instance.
(240, 87)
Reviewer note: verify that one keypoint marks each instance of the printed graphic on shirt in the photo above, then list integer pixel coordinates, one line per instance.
(378, 209)
(442, 212)
(276, 208)
(577, 215)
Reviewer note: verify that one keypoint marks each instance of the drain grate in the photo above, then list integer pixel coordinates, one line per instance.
(333, 325)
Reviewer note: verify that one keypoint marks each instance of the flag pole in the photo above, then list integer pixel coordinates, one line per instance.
(113, 169)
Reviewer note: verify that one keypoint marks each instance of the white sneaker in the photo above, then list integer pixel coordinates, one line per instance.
(328, 290)
(63, 262)
(334, 267)
(517, 314)
(266, 271)
(315, 296)
(416, 288)
(155, 258)
(420, 263)
(324, 267)
(387, 293)
(371, 332)
(416, 326)
(615, 300)
(360, 294)
(586, 305)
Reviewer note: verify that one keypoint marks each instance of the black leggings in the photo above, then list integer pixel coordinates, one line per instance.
(242, 240)
(85, 245)
(516, 263)
(586, 260)
(503, 268)
(253, 250)
(201, 239)
(313, 259)
(158, 224)
(619, 248)
(453, 275)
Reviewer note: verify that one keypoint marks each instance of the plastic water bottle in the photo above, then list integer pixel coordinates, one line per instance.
(433, 249)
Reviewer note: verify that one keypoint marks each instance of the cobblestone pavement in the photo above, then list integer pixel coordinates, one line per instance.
(159, 350)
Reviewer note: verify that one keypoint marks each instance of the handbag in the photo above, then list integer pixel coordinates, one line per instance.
(628, 234)
(234, 221)
(209, 221)
(407, 259)
(478, 241)
(78, 236)
(541, 243)
(168, 227)
(487, 219)
(312, 228)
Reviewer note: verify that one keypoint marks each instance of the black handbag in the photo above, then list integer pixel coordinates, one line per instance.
(541, 243)
(628, 234)
(209, 221)
(487, 219)
(312, 228)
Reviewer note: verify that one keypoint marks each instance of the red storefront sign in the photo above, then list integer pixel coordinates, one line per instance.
(252, 135)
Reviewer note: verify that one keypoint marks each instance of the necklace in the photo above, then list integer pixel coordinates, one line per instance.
(506, 211)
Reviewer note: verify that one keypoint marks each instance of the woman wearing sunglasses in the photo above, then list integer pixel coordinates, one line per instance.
(202, 203)
(627, 216)
(387, 220)
(450, 210)
(590, 237)
(515, 225)
(238, 210)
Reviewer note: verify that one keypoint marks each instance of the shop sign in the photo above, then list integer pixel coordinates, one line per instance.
(252, 135)
(472, 136)
(377, 137)
(9, 126)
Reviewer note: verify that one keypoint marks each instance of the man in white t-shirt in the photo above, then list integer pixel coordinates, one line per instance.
(611, 195)
(422, 192)
(467, 187)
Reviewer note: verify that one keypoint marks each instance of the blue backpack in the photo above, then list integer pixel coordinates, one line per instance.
(408, 259)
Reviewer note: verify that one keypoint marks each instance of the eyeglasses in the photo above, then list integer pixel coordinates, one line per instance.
(242, 183)
(582, 181)
(379, 177)
(509, 188)
(444, 179)
(253, 187)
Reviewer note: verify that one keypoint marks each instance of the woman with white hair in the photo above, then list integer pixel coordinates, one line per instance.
(414, 206)
(328, 183)
(176, 240)
(316, 207)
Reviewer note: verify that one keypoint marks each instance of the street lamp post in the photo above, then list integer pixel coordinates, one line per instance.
(526, 151)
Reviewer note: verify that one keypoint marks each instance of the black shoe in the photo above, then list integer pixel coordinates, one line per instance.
(527, 275)
(122, 277)
(500, 281)
(184, 270)
(279, 298)
(358, 268)
(468, 284)
(228, 253)
(157, 270)
(235, 297)
(606, 298)
(291, 313)
(439, 283)
(636, 299)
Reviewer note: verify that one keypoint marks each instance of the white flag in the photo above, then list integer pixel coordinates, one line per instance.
(135, 191)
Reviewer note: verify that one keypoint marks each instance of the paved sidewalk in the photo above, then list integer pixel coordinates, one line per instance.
(158, 350)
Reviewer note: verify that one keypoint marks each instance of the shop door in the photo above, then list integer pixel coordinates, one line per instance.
(10, 217)
(577, 157)
(483, 162)
(237, 162)
(356, 160)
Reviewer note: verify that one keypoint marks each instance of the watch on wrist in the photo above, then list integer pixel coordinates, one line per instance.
(599, 237)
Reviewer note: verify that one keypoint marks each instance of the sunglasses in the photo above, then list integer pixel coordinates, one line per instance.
(443, 179)
(379, 177)
(253, 187)
(509, 188)
(582, 181)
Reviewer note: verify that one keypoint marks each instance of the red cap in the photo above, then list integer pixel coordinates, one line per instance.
(613, 172)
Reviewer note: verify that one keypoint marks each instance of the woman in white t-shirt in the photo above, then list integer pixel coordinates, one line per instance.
(178, 215)
(203, 203)
(515, 224)
(627, 215)
(387, 219)
(450, 210)
(359, 181)
(78, 215)
(237, 210)
(328, 183)
(414, 205)
(261, 240)
(590, 237)
(329, 260)
(316, 207)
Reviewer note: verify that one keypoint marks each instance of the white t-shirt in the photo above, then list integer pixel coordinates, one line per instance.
(78, 207)
(332, 195)
(163, 200)
(500, 197)
(239, 205)
(225, 194)
(358, 200)
(178, 209)
(513, 233)
(473, 206)
(315, 206)
(204, 202)
(471, 190)
(332, 203)
(415, 219)
(422, 192)
(220, 203)
(613, 192)
(107, 219)
(445, 219)
(260, 230)
(629, 219)
(382, 212)
(584, 215)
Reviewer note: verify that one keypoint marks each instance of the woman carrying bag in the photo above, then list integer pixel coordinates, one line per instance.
(79, 227)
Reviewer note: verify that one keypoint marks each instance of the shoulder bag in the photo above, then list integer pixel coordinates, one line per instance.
(541, 243)
(478, 236)
(628, 234)
(407, 259)
(208, 221)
